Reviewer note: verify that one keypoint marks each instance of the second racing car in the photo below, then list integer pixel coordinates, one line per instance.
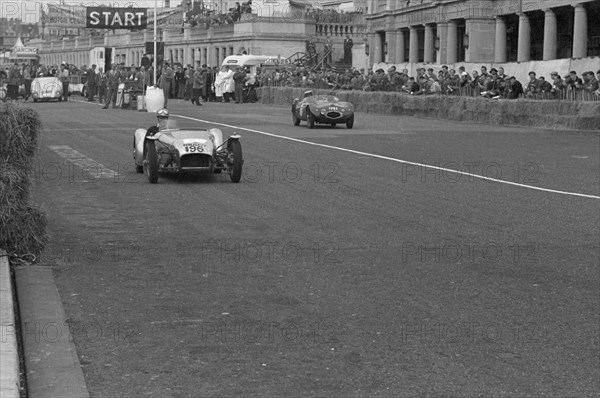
(325, 109)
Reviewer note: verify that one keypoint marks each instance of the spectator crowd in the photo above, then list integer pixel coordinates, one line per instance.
(206, 17)
(489, 84)
(205, 83)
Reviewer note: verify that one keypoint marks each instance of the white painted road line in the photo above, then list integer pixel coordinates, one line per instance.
(472, 175)
(93, 169)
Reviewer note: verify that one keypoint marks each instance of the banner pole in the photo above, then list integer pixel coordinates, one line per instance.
(155, 52)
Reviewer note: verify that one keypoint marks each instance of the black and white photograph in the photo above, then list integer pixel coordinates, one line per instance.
(294, 198)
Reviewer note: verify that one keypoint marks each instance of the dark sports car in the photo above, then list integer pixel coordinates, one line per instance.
(325, 109)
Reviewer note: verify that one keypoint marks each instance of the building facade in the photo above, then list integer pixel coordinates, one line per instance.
(198, 45)
(485, 31)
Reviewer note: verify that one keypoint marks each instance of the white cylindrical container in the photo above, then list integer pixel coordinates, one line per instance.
(155, 99)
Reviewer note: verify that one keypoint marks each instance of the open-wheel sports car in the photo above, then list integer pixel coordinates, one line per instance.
(176, 150)
(325, 109)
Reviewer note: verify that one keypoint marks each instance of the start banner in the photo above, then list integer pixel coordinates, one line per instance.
(116, 18)
(56, 15)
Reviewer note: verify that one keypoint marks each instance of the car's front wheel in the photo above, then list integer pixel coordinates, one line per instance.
(295, 118)
(350, 122)
(235, 160)
(151, 162)
(310, 119)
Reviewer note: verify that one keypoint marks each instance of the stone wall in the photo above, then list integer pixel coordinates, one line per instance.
(527, 113)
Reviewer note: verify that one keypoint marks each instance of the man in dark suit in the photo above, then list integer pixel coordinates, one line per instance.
(348, 43)
(90, 75)
(113, 80)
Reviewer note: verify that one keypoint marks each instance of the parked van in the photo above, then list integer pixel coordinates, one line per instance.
(251, 62)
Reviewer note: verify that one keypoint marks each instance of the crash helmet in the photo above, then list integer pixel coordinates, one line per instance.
(162, 113)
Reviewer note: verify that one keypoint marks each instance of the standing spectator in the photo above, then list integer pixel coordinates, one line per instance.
(145, 61)
(189, 83)
(91, 82)
(64, 78)
(210, 80)
(165, 81)
(533, 87)
(545, 87)
(515, 88)
(140, 79)
(452, 83)
(28, 76)
(204, 73)
(113, 80)
(179, 82)
(197, 86)
(348, 43)
(220, 84)
(229, 85)
(501, 74)
(328, 50)
(239, 78)
(590, 83)
(101, 82)
(574, 81)
(12, 82)
(484, 71)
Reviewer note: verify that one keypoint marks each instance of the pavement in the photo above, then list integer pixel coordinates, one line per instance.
(334, 270)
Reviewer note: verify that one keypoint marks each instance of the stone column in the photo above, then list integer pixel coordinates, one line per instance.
(580, 32)
(550, 46)
(429, 56)
(442, 33)
(524, 47)
(452, 43)
(413, 49)
(500, 42)
(400, 46)
(391, 36)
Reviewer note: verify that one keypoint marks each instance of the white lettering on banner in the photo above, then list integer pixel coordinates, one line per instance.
(116, 18)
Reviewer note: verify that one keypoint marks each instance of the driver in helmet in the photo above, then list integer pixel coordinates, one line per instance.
(163, 119)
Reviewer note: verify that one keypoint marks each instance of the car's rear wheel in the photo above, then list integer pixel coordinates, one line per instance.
(350, 122)
(151, 162)
(235, 160)
(310, 119)
(295, 118)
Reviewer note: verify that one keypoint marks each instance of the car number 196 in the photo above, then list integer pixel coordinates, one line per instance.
(194, 147)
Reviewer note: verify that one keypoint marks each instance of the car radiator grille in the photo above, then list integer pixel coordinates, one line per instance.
(196, 160)
(333, 115)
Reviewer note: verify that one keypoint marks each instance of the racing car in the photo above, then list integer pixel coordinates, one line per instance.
(176, 150)
(325, 109)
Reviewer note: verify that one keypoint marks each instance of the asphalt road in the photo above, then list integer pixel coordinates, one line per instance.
(326, 272)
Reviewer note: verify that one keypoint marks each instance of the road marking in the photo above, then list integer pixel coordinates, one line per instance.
(93, 169)
(582, 195)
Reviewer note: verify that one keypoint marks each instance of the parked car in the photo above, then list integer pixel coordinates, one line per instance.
(46, 88)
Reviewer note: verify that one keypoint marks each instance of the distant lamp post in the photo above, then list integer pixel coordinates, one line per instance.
(466, 41)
